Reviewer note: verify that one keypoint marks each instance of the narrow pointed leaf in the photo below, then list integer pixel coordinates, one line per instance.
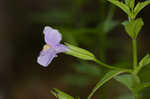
(105, 79)
(140, 6)
(79, 52)
(60, 95)
(130, 3)
(121, 5)
(145, 61)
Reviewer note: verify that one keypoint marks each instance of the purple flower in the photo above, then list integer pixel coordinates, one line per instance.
(52, 47)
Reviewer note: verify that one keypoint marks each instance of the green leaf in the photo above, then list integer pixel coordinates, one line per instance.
(78, 98)
(133, 28)
(125, 23)
(79, 52)
(126, 80)
(77, 80)
(140, 6)
(88, 69)
(130, 81)
(126, 96)
(105, 79)
(121, 5)
(109, 25)
(142, 86)
(60, 95)
(145, 61)
(51, 16)
(80, 2)
(130, 3)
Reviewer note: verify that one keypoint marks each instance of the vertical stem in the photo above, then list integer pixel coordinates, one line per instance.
(136, 96)
(135, 60)
(102, 34)
(102, 10)
(134, 53)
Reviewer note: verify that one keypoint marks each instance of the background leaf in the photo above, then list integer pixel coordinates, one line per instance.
(60, 95)
(109, 25)
(88, 69)
(83, 74)
(126, 96)
(77, 80)
(142, 86)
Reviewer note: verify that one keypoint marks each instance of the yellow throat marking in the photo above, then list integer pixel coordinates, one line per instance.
(45, 47)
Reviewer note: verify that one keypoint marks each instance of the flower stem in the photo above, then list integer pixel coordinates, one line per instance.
(134, 53)
(111, 67)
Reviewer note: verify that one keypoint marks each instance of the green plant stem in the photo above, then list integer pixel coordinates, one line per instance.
(111, 67)
(134, 53)
(135, 61)
(136, 96)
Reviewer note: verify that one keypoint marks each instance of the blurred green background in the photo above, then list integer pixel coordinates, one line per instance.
(91, 24)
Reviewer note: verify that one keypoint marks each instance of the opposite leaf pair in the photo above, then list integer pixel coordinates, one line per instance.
(133, 27)
(129, 7)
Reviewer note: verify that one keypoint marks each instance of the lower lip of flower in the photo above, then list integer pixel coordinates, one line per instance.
(46, 47)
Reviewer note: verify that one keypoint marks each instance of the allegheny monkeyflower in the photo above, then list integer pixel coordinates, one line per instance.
(52, 47)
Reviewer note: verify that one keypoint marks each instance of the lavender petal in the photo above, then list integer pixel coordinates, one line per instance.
(46, 57)
(52, 36)
(61, 48)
